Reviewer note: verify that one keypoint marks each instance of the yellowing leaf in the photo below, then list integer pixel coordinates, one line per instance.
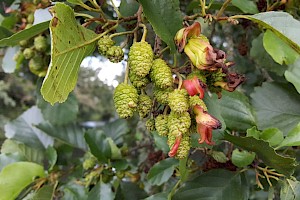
(16, 176)
(71, 43)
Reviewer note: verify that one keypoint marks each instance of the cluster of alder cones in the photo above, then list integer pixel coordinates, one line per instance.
(173, 106)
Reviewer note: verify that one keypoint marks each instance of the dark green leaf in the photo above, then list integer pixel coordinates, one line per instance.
(130, 191)
(158, 196)
(101, 191)
(262, 58)
(4, 32)
(59, 113)
(70, 44)
(165, 17)
(272, 135)
(24, 35)
(282, 24)
(277, 105)
(22, 129)
(214, 108)
(74, 191)
(292, 74)
(219, 156)
(70, 134)
(10, 21)
(116, 130)
(280, 51)
(236, 111)
(98, 145)
(267, 154)
(242, 158)
(128, 8)
(292, 138)
(161, 142)
(8, 158)
(44, 193)
(162, 171)
(213, 185)
(120, 165)
(52, 157)
(247, 6)
(16, 176)
(28, 153)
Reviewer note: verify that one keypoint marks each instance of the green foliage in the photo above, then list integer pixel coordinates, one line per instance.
(71, 133)
(292, 138)
(282, 24)
(246, 6)
(24, 35)
(62, 75)
(292, 74)
(16, 176)
(282, 164)
(165, 17)
(280, 111)
(278, 49)
(162, 171)
(242, 158)
(236, 111)
(57, 145)
(216, 184)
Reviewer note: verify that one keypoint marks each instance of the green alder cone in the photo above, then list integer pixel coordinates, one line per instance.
(125, 99)
(40, 43)
(137, 81)
(30, 18)
(28, 53)
(161, 74)
(195, 100)
(104, 44)
(36, 63)
(162, 95)
(150, 124)
(161, 125)
(38, 66)
(178, 101)
(144, 105)
(140, 58)
(23, 43)
(115, 54)
(184, 147)
(179, 124)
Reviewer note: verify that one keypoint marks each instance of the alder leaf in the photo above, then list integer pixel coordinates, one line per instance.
(24, 35)
(16, 176)
(282, 24)
(165, 17)
(282, 164)
(71, 43)
(217, 184)
(280, 51)
(277, 105)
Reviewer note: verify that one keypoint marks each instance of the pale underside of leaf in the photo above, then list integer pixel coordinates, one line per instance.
(281, 23)
(71, 43)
